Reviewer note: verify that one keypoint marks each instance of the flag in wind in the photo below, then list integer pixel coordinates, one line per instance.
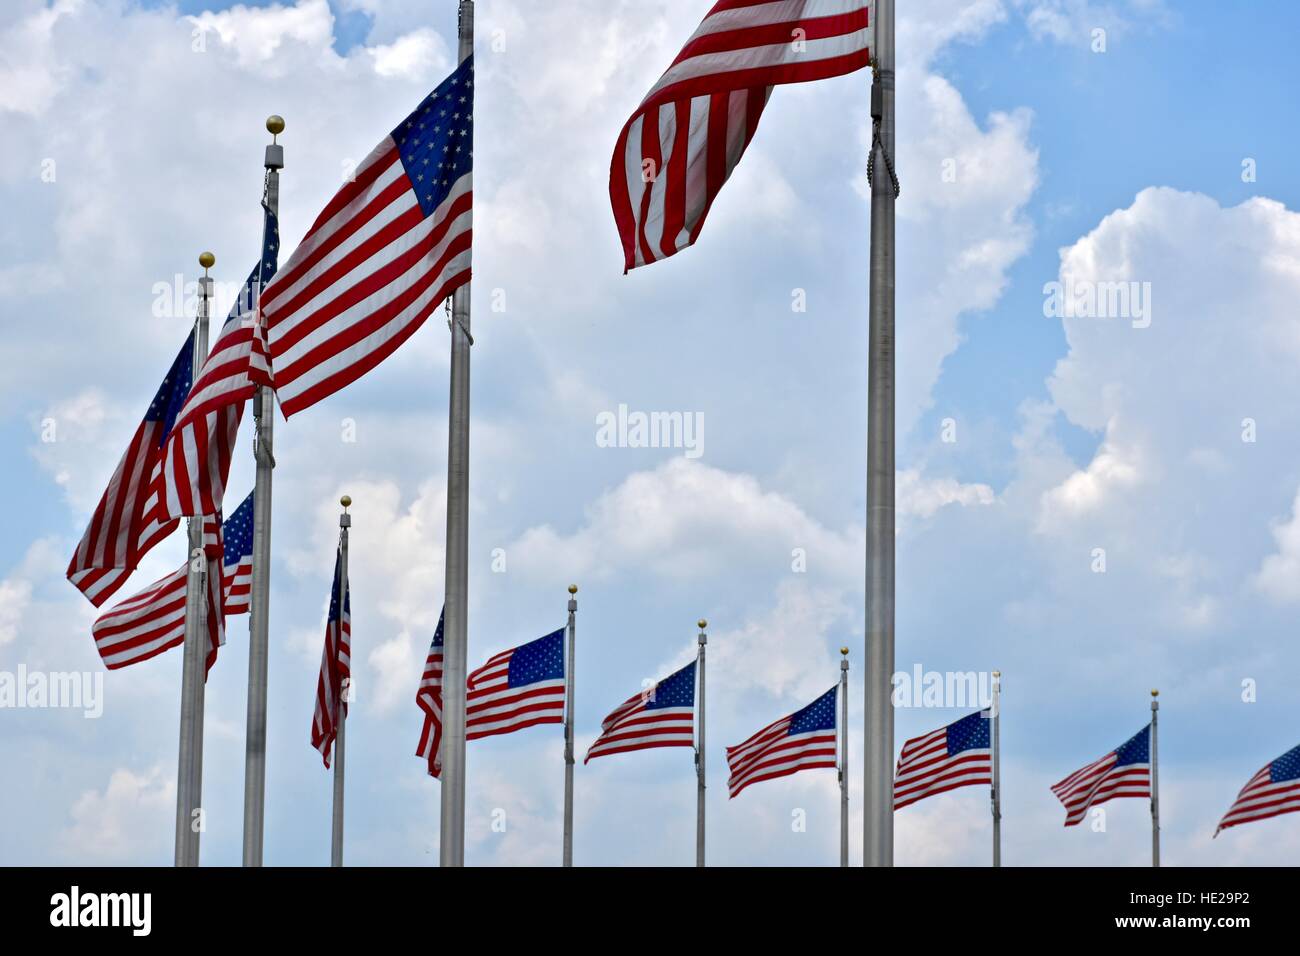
(153, 621)
(429, 699)
(958, 755)
(801, 741)
(131, 517)
(237, 558)
(199, 449)
(392, 244)
(1124, 772)
(335, 668)
(659, 716)
(691, 129)
(1271, 792)
(517, 688)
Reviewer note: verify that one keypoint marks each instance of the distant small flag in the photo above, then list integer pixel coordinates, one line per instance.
(802, 741)
(153, 621)
(958, 755)
(130, 517)
(429, 699)
(1124, 772)
(659, 716)
(199, 448)
(237, 560)
(1271, 792)
(689, 132)
(390, 246)
(335, 667)
(517, 688)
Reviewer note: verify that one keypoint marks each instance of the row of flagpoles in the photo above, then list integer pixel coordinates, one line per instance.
(389, 246)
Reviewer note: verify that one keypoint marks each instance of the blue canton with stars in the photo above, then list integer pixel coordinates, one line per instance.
(1285, 767)
(1136, 750)
(334, 591)
(175, 388)
(246, 301)
(675, 690)
(237, 532)
(819, 715)
(436, 142)
(437, 634)
(969, 733)
(539, 660)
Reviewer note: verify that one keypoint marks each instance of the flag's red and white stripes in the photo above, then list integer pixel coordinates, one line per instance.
(493, 707)
(335, 671)
(1098, 782)
(775, 752)
(153, 621)
(690, 131)
(659, 716)
(925, 767)
(238, 580)
(369, 272)
(1273, 791)
(429, 699)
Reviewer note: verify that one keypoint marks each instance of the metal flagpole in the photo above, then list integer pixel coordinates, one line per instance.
(877, 770)
(996, 793)
(189, 768)
(451, 851)
(1155, 782)
(699, 748)
(568, 728)
(844, 757)
(341, 720)
(259, 610)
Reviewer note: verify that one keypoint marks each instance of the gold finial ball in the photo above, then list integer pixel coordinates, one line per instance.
(346, 501)
(573, 589)
(702, 623)
(1154, 692)
(275, 124)
(844, 651)
(207, 260)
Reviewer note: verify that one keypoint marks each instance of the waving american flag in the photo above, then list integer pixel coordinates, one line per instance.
(659, 716)
(802, 741)
(392, 244)
(1271, 792)
(335, 667)
(428, 697)
(1124, 772)
(957, 755)
(690, 131)
(518, 688)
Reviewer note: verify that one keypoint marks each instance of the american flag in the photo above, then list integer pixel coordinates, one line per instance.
(1124, 772)
(958, 755)
(517, 688)
(198, 453)
(335, 669)
(659, 716)
(429, 699)
(1271, 792)
(131, 517)
(237, 560)
(153, 621)
(390, 245)
(801, 741)
(691, 129)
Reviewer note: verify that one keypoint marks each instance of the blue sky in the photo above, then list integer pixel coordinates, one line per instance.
(1072, 434)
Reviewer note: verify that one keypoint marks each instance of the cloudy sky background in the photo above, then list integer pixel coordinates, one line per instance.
(1072, 434)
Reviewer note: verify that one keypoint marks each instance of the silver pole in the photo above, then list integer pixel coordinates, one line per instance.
(878, 809)
(996, 793)
(568, 727)
(189, 765)
(1155, 782)
(260, 606)
(451, 851)
(336, 835)
(844, 757)
(699, 748)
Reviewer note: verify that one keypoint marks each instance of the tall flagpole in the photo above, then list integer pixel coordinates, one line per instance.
(259, 610)
(451, 850)
(699, 748)
(189, 766)
(568, 727)
(878, 810)
(1155, 782)
(996, 794)
(345, 691)
(844, 757)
